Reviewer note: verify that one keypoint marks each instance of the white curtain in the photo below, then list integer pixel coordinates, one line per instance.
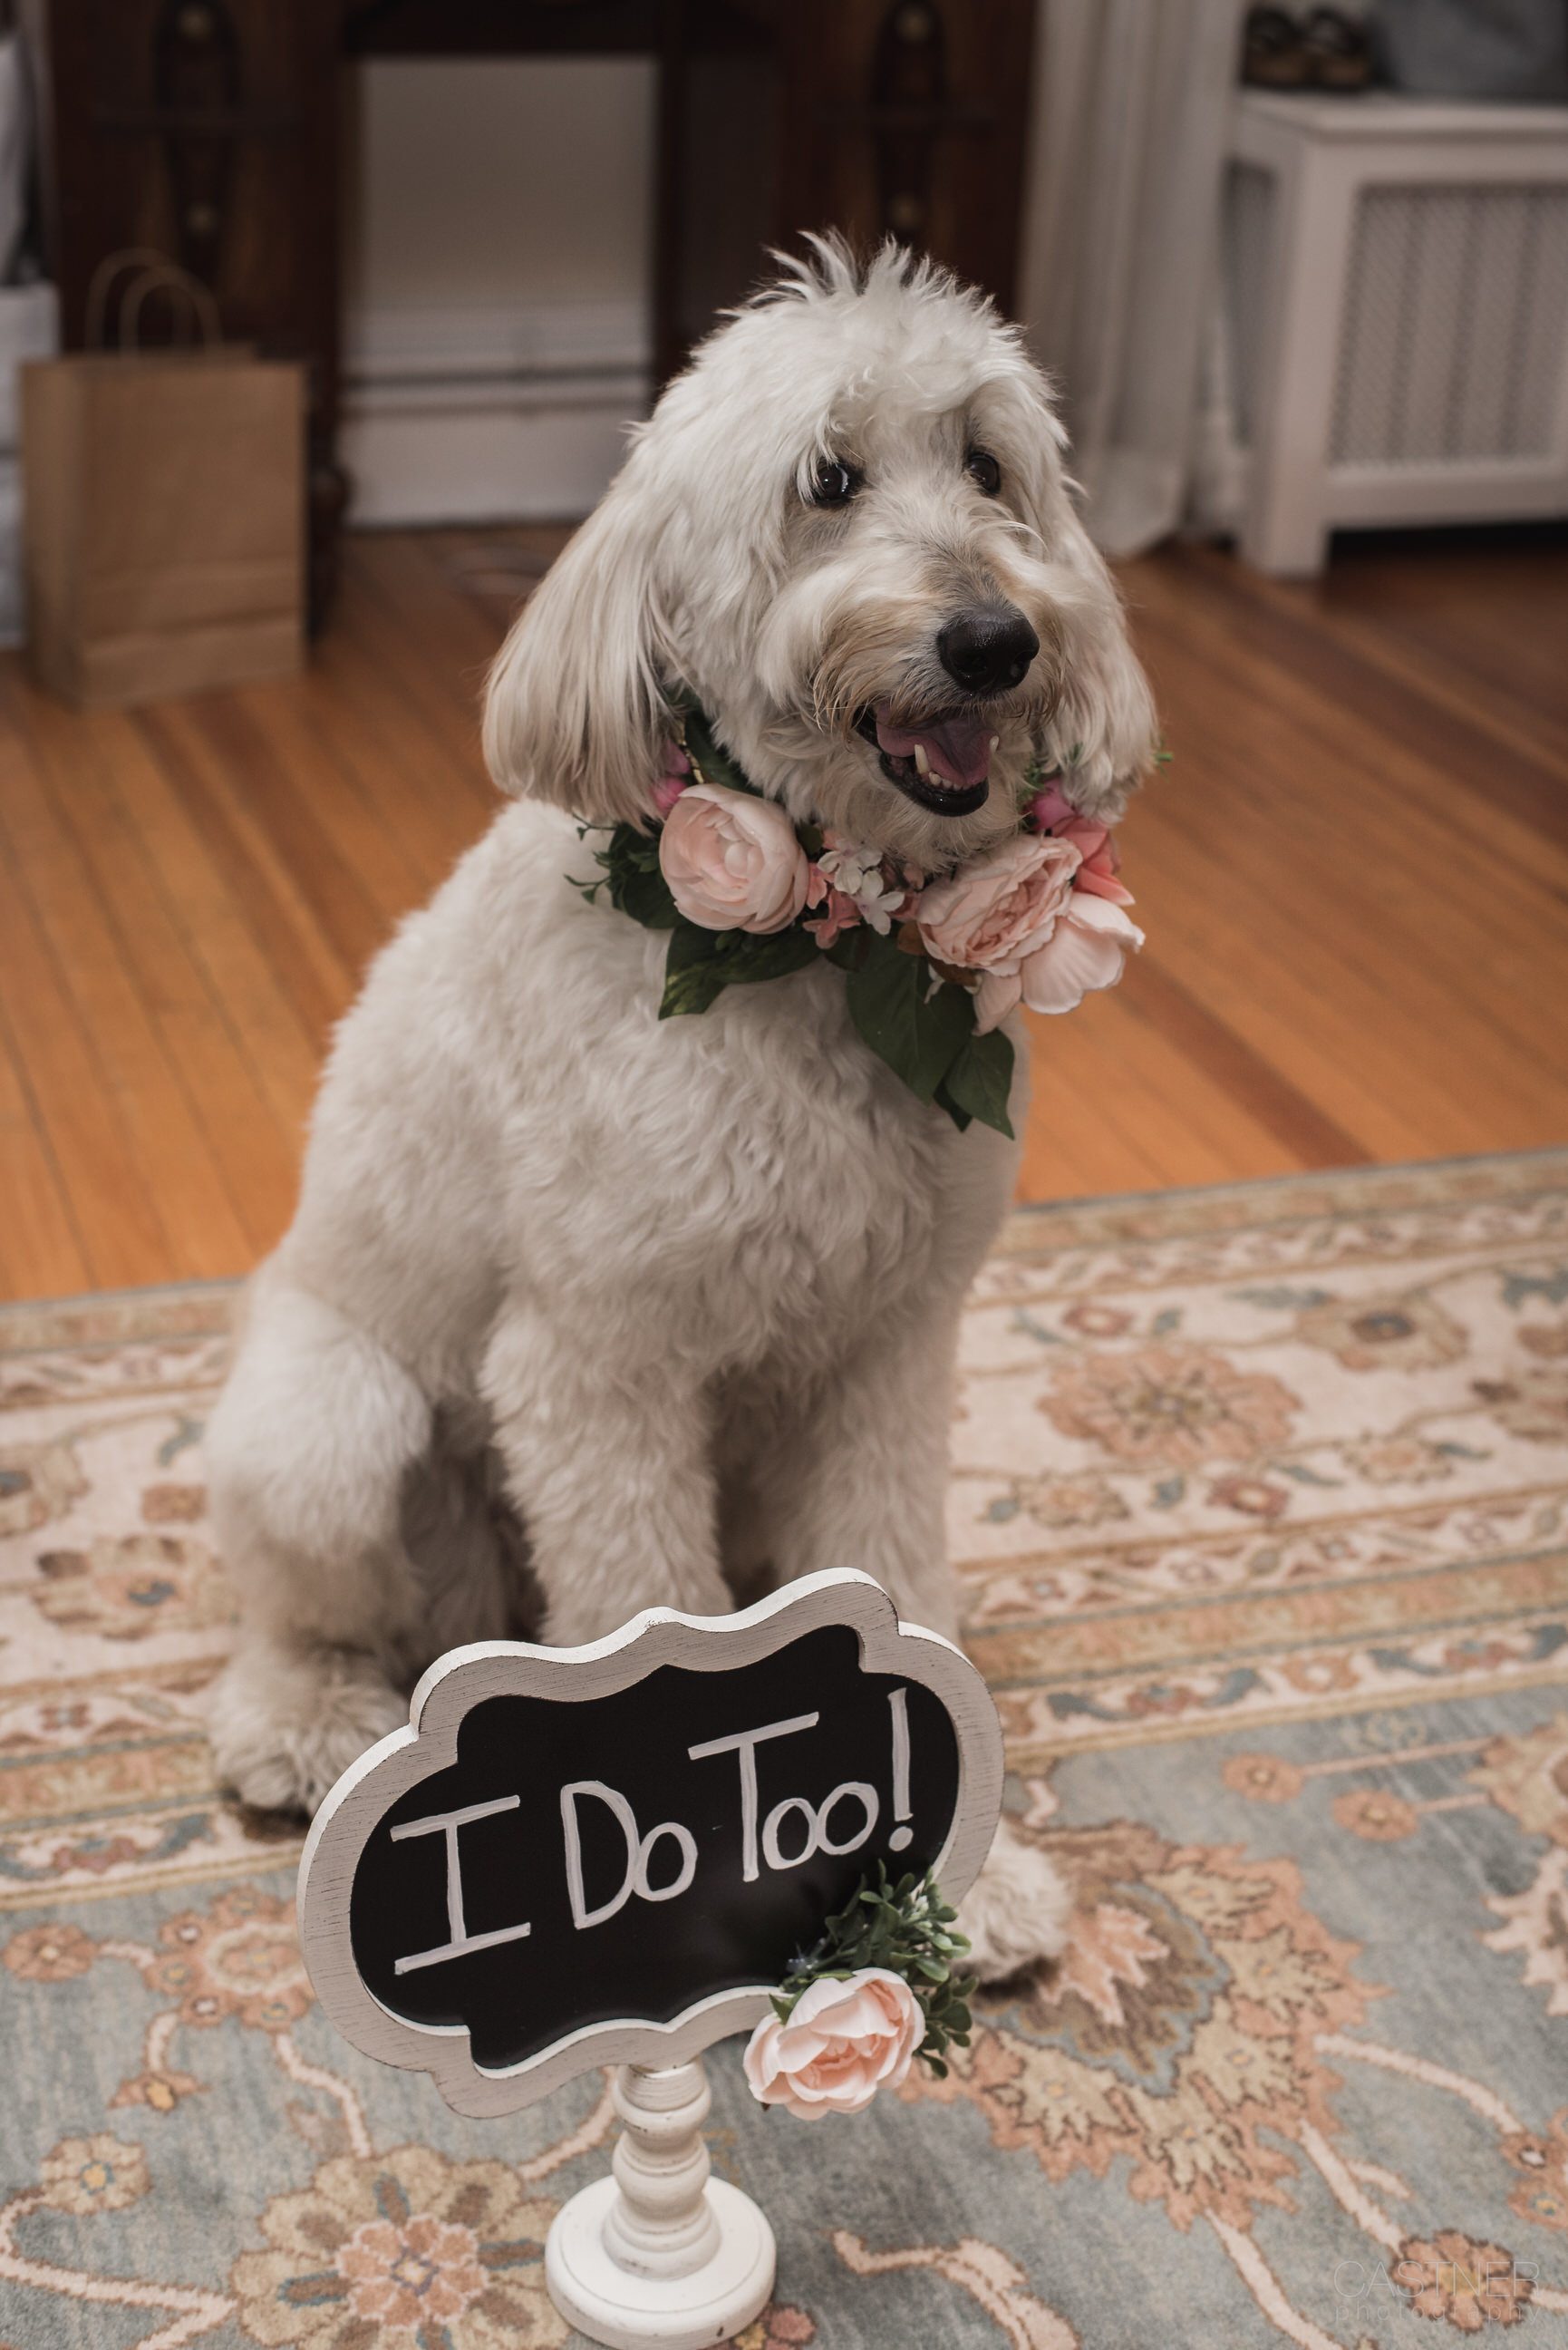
(1132, 103)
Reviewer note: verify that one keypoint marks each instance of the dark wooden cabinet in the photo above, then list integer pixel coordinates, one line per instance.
(210, 130)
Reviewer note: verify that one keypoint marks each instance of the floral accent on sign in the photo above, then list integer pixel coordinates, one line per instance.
(101, 2173)
(127, 1588)
(1407, 1333)
(404, 2251)
(880, 1987)
(1470, 2284)
(844, 2040)
(1181, 1406)
(240, 1956)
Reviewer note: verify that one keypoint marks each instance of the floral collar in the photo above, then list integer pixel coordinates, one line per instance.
(932, 965)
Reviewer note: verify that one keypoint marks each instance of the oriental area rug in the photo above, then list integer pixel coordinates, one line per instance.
(1260, 1499)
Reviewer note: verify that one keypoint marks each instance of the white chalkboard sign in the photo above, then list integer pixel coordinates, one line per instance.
(609, 1855)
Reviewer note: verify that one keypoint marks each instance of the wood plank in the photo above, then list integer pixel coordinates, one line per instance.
(77, 766)
(1474, 756)
(1302, 1135)
(321, 884)
(331, 780)
(123, 1240)
(210, 920)
(1289, 735)
(1397, 1001)
(41, 1250)
(178, 1170)
(272, 902)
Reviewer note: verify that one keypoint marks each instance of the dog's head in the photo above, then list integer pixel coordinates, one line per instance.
(846, 529)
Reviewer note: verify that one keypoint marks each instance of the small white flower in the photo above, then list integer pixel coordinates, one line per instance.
(857, 873)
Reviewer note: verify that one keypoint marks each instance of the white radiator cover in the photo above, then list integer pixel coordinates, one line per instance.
(1456, 322)
(1395, 317)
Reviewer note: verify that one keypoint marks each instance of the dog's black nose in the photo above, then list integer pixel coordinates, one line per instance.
(987, 650)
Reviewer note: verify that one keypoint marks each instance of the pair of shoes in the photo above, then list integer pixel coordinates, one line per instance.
(1329, 51)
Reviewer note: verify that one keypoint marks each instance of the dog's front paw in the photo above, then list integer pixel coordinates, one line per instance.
(1016, 1911)
(285, 1724)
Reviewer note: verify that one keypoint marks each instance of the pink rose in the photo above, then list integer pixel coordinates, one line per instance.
(1087, 949)
(1053, 812)
(844, 2042)
(994, 912)
(1098, 873)
(733, 862)
(1051, 807)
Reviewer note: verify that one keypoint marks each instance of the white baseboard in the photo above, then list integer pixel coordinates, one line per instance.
(489, 415)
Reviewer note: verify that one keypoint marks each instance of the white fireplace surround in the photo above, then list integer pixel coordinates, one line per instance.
(488, 415)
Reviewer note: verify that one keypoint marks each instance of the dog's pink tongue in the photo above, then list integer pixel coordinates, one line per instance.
(958, 744)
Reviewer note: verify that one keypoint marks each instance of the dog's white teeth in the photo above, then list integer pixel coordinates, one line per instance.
(922, 764)
(994, 741)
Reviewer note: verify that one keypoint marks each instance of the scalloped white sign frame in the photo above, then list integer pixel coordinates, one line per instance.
(468, 1676)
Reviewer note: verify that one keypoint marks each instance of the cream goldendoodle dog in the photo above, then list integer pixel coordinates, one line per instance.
(583, 1311)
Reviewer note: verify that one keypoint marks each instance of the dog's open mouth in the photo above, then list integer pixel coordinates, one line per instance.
(941, 761)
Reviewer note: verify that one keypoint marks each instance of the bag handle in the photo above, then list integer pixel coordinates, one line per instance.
(156, 271)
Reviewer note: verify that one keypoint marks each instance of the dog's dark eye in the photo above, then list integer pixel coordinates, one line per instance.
(833, 483)
(984, 471)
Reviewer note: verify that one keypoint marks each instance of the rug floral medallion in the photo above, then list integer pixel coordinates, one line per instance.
(1261, 1499)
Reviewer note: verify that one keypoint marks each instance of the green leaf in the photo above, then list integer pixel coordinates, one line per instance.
(917, 1034)
(694, 974)
(943, 1100)
(747, 959)
(981, 1078)
(636, 882)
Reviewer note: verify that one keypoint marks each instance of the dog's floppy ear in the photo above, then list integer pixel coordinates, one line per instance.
(1102, 730)
(573, 708)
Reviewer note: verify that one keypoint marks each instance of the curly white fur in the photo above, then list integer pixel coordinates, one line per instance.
(582, 1311)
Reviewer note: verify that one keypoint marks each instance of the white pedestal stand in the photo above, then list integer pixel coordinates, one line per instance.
(660, 2252)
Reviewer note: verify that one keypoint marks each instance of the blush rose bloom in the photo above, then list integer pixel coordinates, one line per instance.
(1087, 949)
(733, 862)
(844, 2042)
(995, 912)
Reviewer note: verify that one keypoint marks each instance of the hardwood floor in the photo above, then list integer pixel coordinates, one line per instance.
(1354, 876)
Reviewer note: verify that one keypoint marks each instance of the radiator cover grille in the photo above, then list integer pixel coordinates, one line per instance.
(1454, 331)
